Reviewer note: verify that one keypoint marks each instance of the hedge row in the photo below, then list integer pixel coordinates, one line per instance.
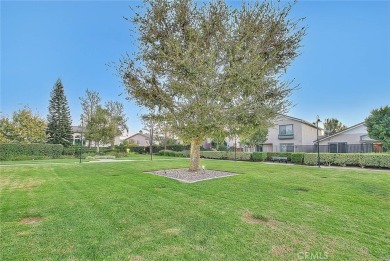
(156, 149)
(225, 155)
(19, 151)
(349, 159)
(172, 153)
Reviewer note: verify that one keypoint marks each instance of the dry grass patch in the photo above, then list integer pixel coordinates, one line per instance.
(281, 250)
(172, 231)
(251, 218)
(31, 220)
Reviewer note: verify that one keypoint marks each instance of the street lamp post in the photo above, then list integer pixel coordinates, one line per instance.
(318, 145)
(81, 138)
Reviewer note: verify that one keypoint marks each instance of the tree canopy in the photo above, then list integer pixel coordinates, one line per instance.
(333, 125)
(103, 123)
(378, 125)
(24, 127)
(208, 68)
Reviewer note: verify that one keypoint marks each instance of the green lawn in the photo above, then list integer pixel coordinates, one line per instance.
(114, 211)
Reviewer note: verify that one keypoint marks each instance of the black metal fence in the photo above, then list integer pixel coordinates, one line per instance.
(341, 148)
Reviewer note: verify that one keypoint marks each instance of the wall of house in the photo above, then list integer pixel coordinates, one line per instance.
(140, 140)
(351, 136)
(309, 134)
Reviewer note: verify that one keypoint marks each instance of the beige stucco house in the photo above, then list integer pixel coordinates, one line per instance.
(289, 133)
(352, 139)
(140, 139)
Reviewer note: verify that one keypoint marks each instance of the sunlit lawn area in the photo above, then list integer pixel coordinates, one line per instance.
(114, 211)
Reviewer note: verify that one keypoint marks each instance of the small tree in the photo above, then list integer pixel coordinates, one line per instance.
(378, 125)
(59, 129)
(116, 120)
(333, 125)
(210, 68)
(257, 138)
(89, 104)
(98, 129)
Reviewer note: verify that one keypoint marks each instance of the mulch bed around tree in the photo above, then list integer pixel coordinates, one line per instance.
(184, 175)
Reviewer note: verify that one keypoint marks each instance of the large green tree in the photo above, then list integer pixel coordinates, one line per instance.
(59, 126)
(24, 127)
(333, 125)
(210, 68)
(378, 125)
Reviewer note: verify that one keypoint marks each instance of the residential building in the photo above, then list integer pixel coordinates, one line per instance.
(352, 139)
(140, 139)
(290, 133)
(77, 132)
(287, 135)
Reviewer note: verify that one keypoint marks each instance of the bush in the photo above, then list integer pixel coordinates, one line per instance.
(379, 160)
(225, 155)
(375, 160)
(138, 149)
(19, 151)
(259, 156)
(167, 153)
(71, 151)
(297, 157)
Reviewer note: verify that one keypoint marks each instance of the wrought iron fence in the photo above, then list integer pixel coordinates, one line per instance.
(341, 148)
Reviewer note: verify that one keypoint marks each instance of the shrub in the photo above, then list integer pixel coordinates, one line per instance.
(19, 151)
(325, 158)
(71, 151)
(297, 157)
(214, 154)
(225, 155)
(380, 160)
(375, 160)
(169, 153)
(138, 149)
(259, 156)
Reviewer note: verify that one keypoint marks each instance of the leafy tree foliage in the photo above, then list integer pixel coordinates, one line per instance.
(256, 138)
(378, 125)
(97, 128)
(103, 124)
(89, 104)
(59, 126)
(333, 125)
(211, 68)
(116, 120)
(24, 127)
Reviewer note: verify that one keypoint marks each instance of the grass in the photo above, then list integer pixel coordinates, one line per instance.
(114, 211)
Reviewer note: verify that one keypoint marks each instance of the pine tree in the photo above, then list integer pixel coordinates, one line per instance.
(59, 122)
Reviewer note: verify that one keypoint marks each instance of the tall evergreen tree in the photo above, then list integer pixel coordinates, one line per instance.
(59, 122)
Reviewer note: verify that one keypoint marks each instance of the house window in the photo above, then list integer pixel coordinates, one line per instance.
(286, 131)
(339, 147)
(286, 147)
(77, 140)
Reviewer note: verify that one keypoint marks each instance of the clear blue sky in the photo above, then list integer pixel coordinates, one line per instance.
(343, 72)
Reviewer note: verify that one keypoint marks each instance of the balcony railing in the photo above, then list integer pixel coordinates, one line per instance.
(286, 136)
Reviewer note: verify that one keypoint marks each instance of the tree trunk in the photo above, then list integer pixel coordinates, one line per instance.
(97, 147)
(195, 155)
